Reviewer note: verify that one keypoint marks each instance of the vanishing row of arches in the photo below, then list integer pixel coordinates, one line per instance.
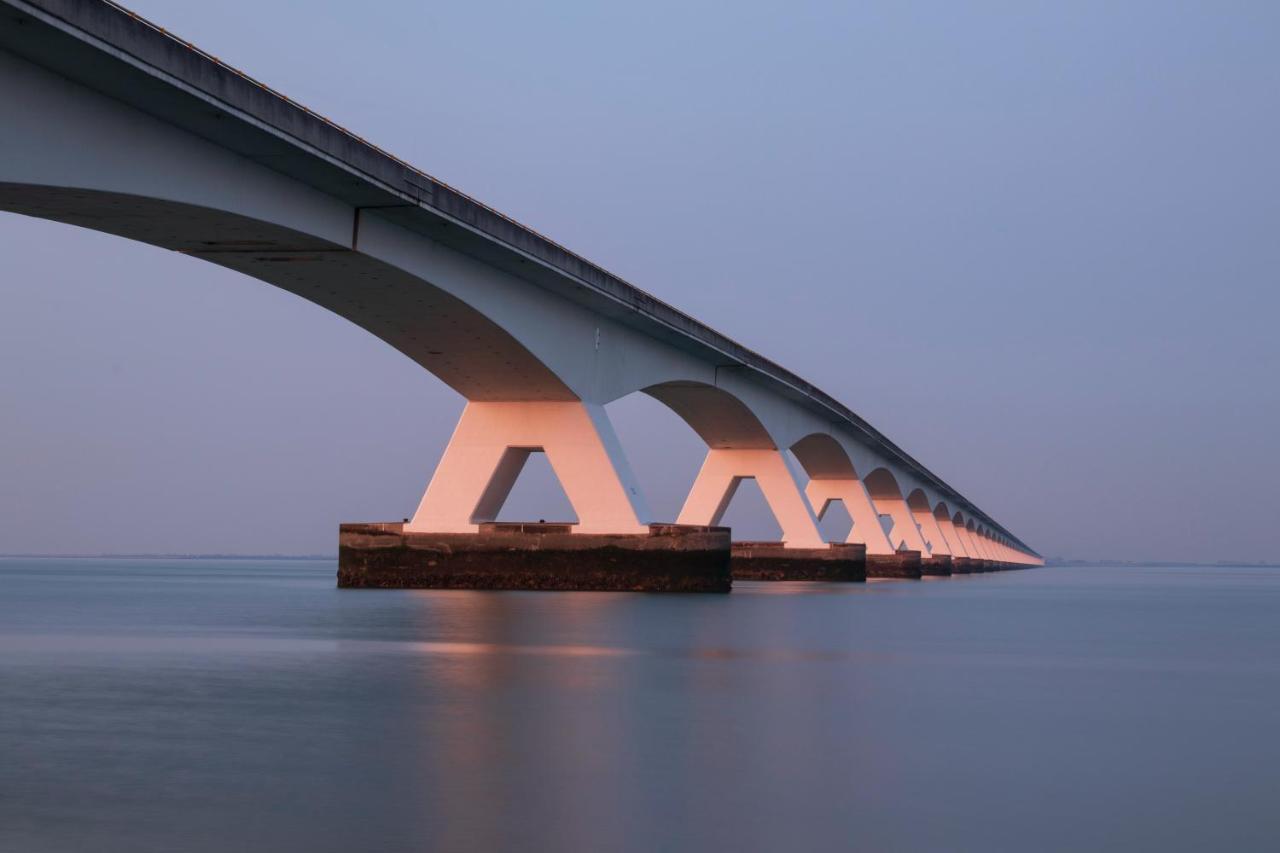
(801, 480)
(510, 373)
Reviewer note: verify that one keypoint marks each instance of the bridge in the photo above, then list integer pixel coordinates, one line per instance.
(112, 123)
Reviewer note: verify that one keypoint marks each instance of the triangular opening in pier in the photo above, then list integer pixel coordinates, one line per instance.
(835, 523)
(537, 494)
(749, 515)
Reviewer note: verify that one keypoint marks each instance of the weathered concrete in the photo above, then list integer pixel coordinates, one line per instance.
(939, 565)
(961, 566)
(669, 558)
(903, 564)
(773, 561)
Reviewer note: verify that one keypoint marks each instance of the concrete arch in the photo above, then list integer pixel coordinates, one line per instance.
(439, 331)
(739, 447)
(974, 532)
(824, 458)
(964, 532)
(354, 243)
(721, 419)
(917, 499)
(886, 495)
(882, 484)
(833, 476)
(988, 542)
(942, 518)
(922, 513)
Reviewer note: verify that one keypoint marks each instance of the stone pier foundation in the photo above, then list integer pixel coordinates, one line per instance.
(904, 564)
(938, 566)
(772, 561)
(669, 558)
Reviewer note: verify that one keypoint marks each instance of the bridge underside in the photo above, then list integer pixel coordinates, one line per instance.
(457, 343)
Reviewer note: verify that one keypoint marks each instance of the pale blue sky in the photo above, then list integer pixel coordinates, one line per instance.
(1035, 243)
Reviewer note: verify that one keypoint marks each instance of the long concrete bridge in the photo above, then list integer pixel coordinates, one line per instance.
(111, 123)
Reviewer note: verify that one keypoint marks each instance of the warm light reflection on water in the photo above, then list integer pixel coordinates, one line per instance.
(252, 706)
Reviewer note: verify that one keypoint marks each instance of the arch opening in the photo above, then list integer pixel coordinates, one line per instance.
(918, 501)
(881, 484)
(922, 513)
(886, 495)
(823, 458)
(722, 420)
(663, 449)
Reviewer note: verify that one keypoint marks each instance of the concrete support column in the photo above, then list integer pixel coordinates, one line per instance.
(904, 534)
(928, 525)
(980, 541)
(723, 471)
(966, 536)
(866, 528)
(489, 448)
(948, 530)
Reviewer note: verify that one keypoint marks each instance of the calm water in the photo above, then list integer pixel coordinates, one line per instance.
(251, 706)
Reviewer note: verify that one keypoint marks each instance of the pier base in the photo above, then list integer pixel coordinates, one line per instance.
(772, 561)
(938, 566)
(669, 558)
(904, 564)
(961, 566)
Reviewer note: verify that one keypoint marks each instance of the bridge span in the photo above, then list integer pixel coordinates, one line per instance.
(113, 124)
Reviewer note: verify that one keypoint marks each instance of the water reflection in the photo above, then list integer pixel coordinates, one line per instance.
(210, 707)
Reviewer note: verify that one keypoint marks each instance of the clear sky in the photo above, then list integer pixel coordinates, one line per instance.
(1035, 243)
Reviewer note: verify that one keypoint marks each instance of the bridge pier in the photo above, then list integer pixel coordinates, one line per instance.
(866, 529)
(490, 446)
(773, 561)
(947, 529)
(939, 548)
(666, 558)
(904, 533)
(454, 541)
(938, 566)
(901, 564)
(723, 471)
(882, 559)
